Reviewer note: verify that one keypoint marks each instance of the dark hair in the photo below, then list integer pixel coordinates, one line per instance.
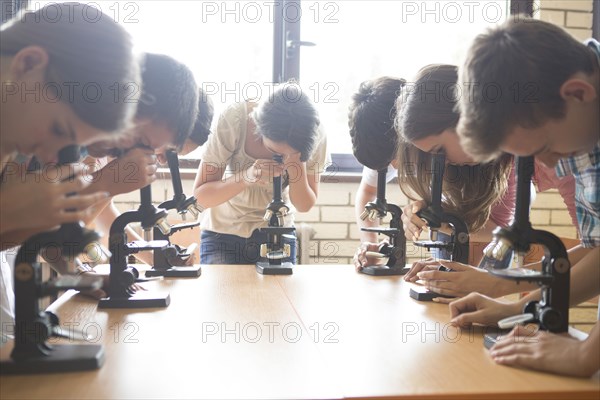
(82, 53)
(206, 112)
(427, 108)
(288, 116)
(428, 104)
(371, 121)
(512, 77)
(170, 95)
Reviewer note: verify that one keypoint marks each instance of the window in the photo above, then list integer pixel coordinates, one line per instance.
(365, 39)
(229, 44)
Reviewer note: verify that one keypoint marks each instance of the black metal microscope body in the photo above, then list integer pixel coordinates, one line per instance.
(551, 312)
(170, 261)
(274, 250)
(122, 276)
(395, 250)
(32, 353)
(435, 216)
(458, 245)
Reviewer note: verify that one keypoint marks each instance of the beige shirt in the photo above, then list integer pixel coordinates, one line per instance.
(244, 213)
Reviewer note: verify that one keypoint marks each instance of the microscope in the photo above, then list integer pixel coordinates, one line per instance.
(395, 250)
(170, 262)
(457, 248)
(552, 311)
(123, 276)
(274, 251)
(32, 353)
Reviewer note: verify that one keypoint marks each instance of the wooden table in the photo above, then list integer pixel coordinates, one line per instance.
(324, 332)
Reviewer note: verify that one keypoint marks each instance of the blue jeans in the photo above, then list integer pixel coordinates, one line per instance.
(220, 248)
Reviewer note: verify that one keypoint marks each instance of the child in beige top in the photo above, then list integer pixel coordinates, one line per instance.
(234, 181)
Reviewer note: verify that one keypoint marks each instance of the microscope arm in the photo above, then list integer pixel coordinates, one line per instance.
(121, 222)
(169, 204)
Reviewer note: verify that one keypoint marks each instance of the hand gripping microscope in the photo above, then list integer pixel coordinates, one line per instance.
(457, 247)
(395, 250)
(32, 353)
(551, 312)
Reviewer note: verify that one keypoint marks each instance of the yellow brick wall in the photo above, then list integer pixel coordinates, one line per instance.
(573, 15)
(333, 220)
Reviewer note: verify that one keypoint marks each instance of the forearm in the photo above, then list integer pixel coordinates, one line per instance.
(99, 183)
(96, 210)
(590, 350)
(211, 194)
(507, 286)
(302, 195)
(365, 194)
(585, 279)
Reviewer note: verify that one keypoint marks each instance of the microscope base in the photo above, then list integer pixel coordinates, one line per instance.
(384, 271)
(62, 358)
(426, 295)
(138, 300)
(264, 268)
(193, 271)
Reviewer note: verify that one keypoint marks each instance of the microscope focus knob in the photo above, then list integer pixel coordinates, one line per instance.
(463, 237)
(171, 252)
(561, 265)
(550, 319)
(129, 275)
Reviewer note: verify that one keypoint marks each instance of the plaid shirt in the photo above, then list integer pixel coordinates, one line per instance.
(586, 170)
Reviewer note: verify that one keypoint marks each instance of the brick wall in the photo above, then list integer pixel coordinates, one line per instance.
(336, 232)
(574, 15)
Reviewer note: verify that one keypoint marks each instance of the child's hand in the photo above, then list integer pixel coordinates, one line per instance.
(361, 258)
(418, 266)
(41, 199)
(544, 351)
(476, 308)
(463, 279)
(413, 225)
(103, 291)
(132, 171)
(262, 172)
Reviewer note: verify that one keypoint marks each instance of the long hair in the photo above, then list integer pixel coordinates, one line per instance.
(371, 121)
(469, 191)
